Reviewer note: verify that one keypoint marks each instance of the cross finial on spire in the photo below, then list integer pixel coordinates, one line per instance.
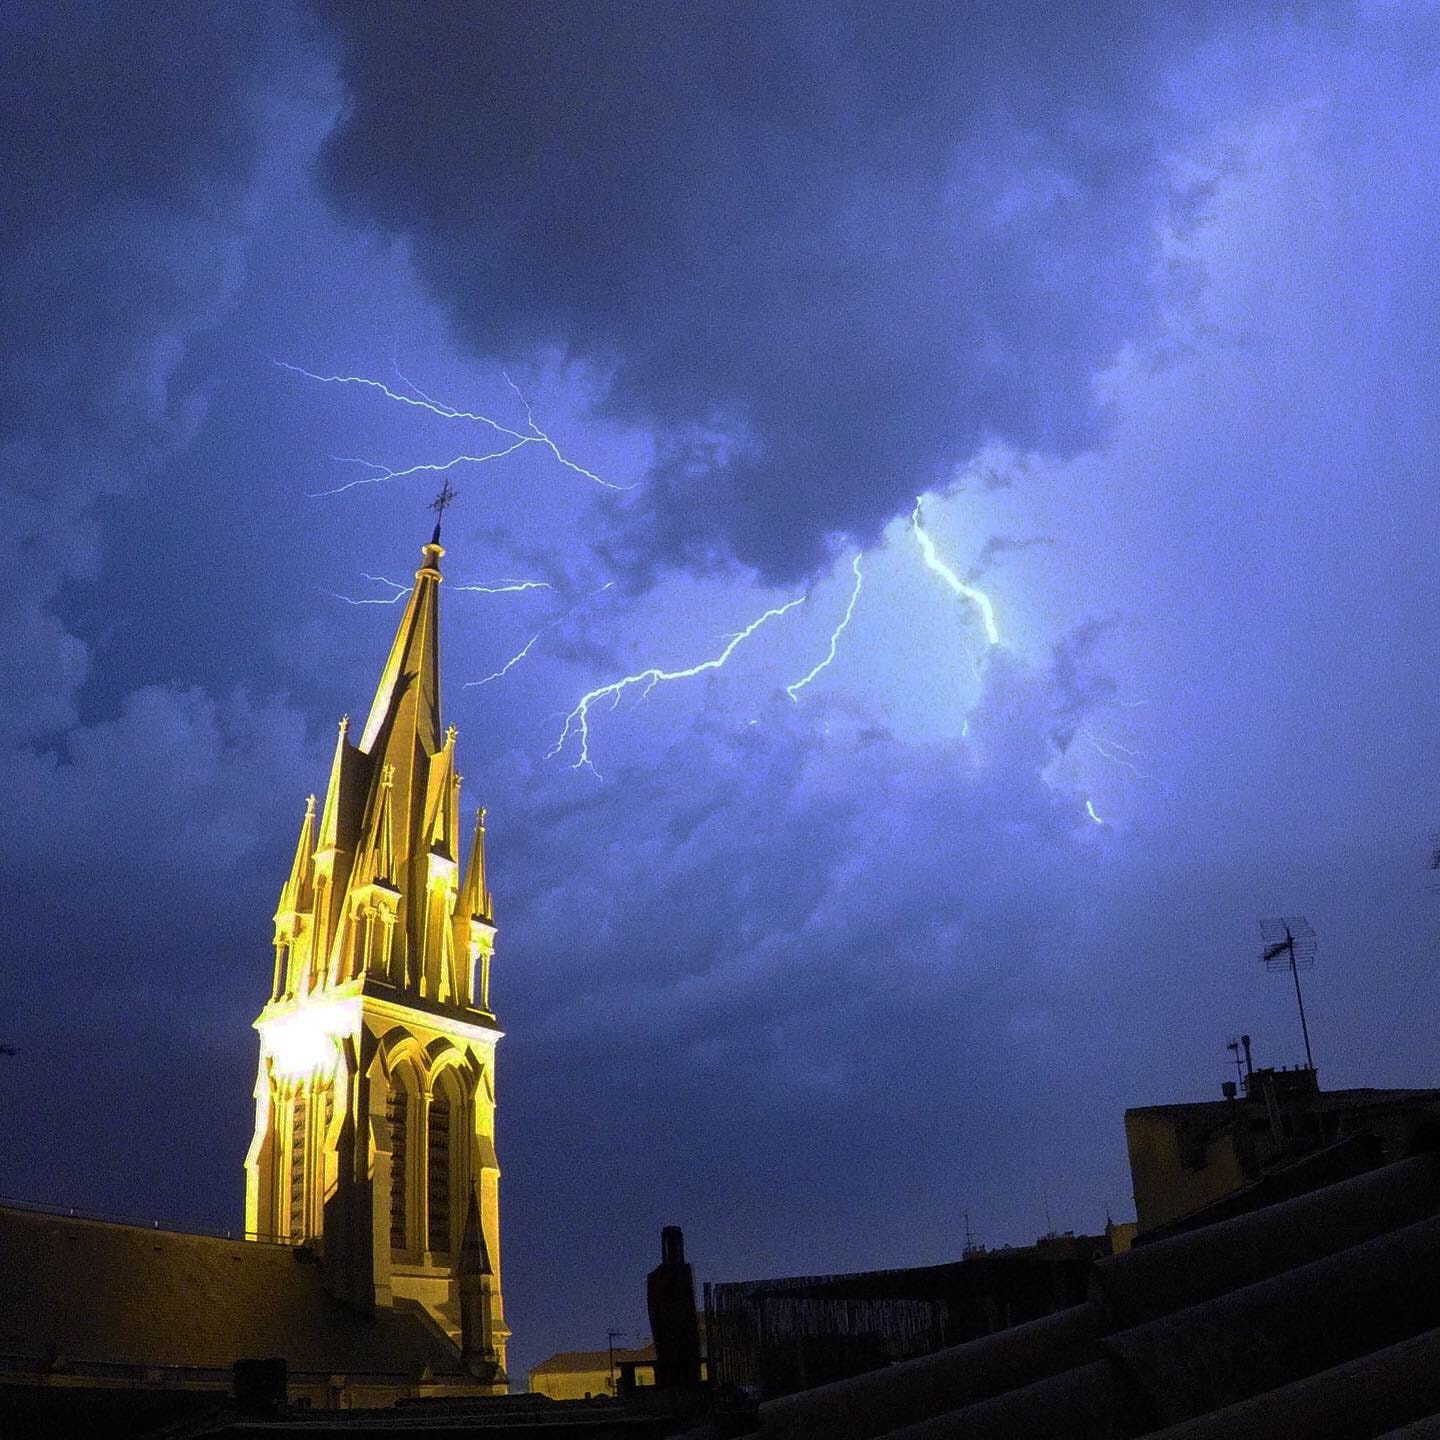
(440, 504)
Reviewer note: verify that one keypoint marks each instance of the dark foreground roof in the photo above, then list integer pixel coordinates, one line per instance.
(1317, 1318)
(87, 1292)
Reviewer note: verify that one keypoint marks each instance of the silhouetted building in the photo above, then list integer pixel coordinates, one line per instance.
(1317, 1318)
(1280, 1132)
(771, 1337)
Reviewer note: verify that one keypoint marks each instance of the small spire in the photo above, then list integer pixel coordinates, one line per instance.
(409, 691)
(474, 894)
(330, 816)
(474, 1252)
(383, 841)
(294, 894)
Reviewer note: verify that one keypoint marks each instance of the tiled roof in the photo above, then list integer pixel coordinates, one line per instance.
(94, 1292)
(1316, 1318)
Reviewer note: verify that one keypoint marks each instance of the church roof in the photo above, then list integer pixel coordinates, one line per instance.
(99, 1293)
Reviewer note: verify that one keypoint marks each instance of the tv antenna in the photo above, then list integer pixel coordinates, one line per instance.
(1289, 943)
(972, 1246)
(1233, 1046)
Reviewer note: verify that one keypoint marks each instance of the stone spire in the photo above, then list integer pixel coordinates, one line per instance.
(374, 1094)
(296, 899)
(408, 697)
(295, 893)
(474, 893)
(379, 853)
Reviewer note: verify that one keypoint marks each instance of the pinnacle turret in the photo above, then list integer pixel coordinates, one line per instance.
(474, 893)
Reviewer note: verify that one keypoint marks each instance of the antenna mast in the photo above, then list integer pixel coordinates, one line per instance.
(1289, 943)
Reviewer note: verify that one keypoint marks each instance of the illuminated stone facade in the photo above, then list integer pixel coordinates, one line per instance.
(375, 1097)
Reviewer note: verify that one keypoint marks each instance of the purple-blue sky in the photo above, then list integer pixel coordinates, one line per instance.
(1145, 307)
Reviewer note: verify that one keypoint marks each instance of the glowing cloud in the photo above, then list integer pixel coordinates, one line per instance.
(578, 720)
(978, 598)
(835, 636)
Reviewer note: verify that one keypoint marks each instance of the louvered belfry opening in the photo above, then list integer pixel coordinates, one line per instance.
(297, 1166)
(438, 1207)
(397, 1111)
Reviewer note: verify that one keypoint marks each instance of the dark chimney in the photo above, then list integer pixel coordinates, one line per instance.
(670, 1298)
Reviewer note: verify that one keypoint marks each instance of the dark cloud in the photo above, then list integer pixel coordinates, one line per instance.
(826, 249)
(134, 142)
(998, 545)
(131, 141)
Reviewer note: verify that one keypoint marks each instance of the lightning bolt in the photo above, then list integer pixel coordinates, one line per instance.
(505, 587)
(514, 660)
(401, 591)
(578, 720)
(421, 401)
(835, 636)
(978, 598)
(497, 587)
(1090, 811)
(509, 665)
(1117, 754)
(384, 472)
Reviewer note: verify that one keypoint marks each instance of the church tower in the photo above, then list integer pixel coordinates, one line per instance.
(375, 1097)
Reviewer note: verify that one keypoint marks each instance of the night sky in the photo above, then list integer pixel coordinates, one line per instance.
(1144, 301)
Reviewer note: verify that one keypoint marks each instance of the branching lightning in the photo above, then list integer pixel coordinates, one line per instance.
(515, 659)
(537, 434)
(384, 472)
(421, 401)
(978, 598)
(1117, 754)
(401, 591)
(578, 720)
(835, 636)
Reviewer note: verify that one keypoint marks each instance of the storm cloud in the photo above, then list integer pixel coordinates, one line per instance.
(824, 250)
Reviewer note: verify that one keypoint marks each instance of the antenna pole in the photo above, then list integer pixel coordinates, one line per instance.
(1291, 942)
(1299, 1000)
